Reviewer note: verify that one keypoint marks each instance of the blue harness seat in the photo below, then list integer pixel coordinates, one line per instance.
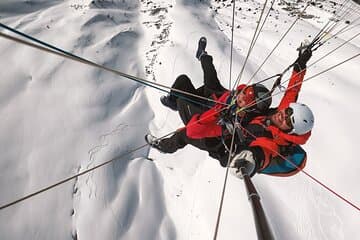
(295, 161)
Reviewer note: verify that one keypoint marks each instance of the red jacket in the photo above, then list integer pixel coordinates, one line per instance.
(205, 125)
(270, 146)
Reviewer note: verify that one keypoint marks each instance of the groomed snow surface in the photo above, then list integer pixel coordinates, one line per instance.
(59, 117)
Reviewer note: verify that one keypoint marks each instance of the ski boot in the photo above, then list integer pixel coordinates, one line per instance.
(201, 48)
(153, 141)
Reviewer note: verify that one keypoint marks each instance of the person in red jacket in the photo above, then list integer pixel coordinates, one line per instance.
(256, 97)
(272, 141)
(190, 105)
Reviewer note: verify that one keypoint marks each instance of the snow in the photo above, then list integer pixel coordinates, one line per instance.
(60, 117)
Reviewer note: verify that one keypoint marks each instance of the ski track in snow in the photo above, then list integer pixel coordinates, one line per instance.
(157, 23)
(157, 26)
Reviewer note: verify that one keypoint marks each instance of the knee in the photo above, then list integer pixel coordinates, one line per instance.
(182, 78)
(207, 58)
(183, 82)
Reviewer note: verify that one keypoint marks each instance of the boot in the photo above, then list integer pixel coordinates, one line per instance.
(201, 48)
(153, 142)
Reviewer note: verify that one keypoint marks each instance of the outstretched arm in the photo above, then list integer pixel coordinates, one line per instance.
(296, 80)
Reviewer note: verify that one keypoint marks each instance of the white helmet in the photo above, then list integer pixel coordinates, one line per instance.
(302, 118)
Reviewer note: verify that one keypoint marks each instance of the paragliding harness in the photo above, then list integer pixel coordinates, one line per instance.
(291, 160)
(286, 161)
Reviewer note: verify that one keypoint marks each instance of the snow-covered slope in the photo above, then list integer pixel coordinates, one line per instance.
(60, 117)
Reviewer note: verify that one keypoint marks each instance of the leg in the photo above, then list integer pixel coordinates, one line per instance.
(182, 83)
(211, 81)
(217, 150)
(176, 141)
(188, 109)
(180, 140)
(173, 143)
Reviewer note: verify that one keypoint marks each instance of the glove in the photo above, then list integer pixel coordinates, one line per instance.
(244, 161)
(229, 126)
(225, 120)
(305, 54)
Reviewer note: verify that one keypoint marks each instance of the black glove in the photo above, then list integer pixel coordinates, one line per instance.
(304, 56)
(226, 125)
(226, 119)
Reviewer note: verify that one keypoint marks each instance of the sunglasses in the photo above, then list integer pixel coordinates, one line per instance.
(288, 113)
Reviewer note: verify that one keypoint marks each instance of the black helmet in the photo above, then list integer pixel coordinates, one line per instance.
(262, 97)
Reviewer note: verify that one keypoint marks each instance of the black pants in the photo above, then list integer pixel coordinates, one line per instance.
(189, 105)
(211, 85)
(213, 146)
